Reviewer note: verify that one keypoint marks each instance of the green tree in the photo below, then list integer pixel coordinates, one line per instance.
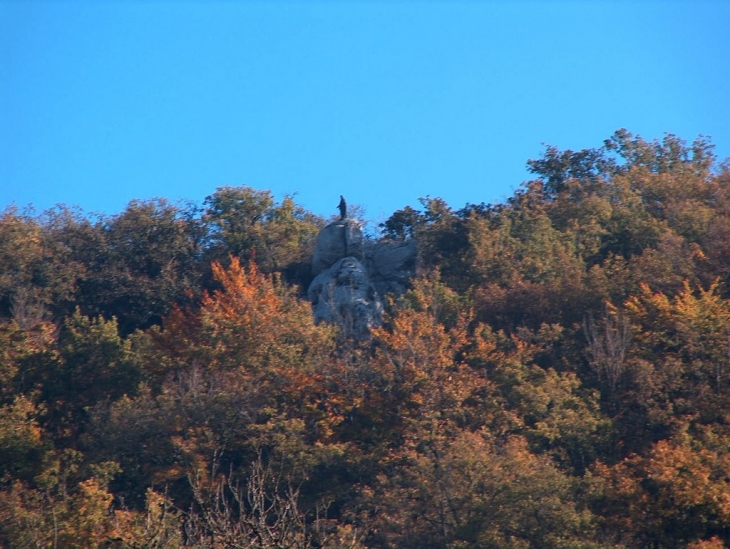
(21, 443)
(37, 274)
(474, 490)
(140, 262)
(90, 363)
(248, 224)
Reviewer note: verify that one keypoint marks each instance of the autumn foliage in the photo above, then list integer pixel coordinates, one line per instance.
(557, 376)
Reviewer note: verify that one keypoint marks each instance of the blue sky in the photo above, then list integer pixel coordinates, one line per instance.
(384, 102)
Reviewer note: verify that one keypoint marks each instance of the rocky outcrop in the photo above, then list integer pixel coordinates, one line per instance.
(350, 276)
(340, 239)
(344, 295)
(391, 265)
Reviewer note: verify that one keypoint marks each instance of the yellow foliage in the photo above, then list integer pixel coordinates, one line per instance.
(692, 327)
(679, 484)
(470, 489)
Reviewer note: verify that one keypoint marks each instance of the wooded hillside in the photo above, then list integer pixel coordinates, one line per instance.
(557, 376)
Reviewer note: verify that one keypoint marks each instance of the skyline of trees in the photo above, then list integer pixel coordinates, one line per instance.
(556, 376)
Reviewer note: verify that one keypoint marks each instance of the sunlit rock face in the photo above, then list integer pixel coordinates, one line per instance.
(391, 265)
(351, 276)
(344, 295)
(340, 239)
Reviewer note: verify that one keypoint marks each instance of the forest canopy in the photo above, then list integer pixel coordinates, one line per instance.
(556, 376)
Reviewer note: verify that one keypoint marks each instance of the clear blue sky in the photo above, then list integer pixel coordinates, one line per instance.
(384, 102)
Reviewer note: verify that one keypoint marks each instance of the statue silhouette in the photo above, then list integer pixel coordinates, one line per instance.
(343, 207)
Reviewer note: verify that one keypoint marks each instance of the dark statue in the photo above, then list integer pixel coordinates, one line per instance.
(343, 207)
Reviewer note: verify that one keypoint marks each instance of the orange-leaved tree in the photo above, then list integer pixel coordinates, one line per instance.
(675, 494)
(252, 323)
(239, 373)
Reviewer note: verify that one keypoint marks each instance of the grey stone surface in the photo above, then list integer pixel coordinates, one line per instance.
(391, 265)
(344, 295)
(340, 239)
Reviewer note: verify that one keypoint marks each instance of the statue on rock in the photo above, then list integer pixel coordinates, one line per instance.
(341, 238)
(350, 275)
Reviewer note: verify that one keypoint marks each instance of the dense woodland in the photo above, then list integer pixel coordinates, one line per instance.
(558, 375)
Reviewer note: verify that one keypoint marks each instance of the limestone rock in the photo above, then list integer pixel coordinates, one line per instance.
(344, 295)
(340, 239)
(391, 265)
(350, 276)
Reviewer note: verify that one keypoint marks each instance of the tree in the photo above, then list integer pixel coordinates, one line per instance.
(37, 276)
(675, 494)
(142, 262)
(21, 442)
(403, 224)
(241, 369)
(474, 490)
(89, 364)
(68, 508)
(253, 322)
(262, 512)
(248, 224)
(694, 326)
